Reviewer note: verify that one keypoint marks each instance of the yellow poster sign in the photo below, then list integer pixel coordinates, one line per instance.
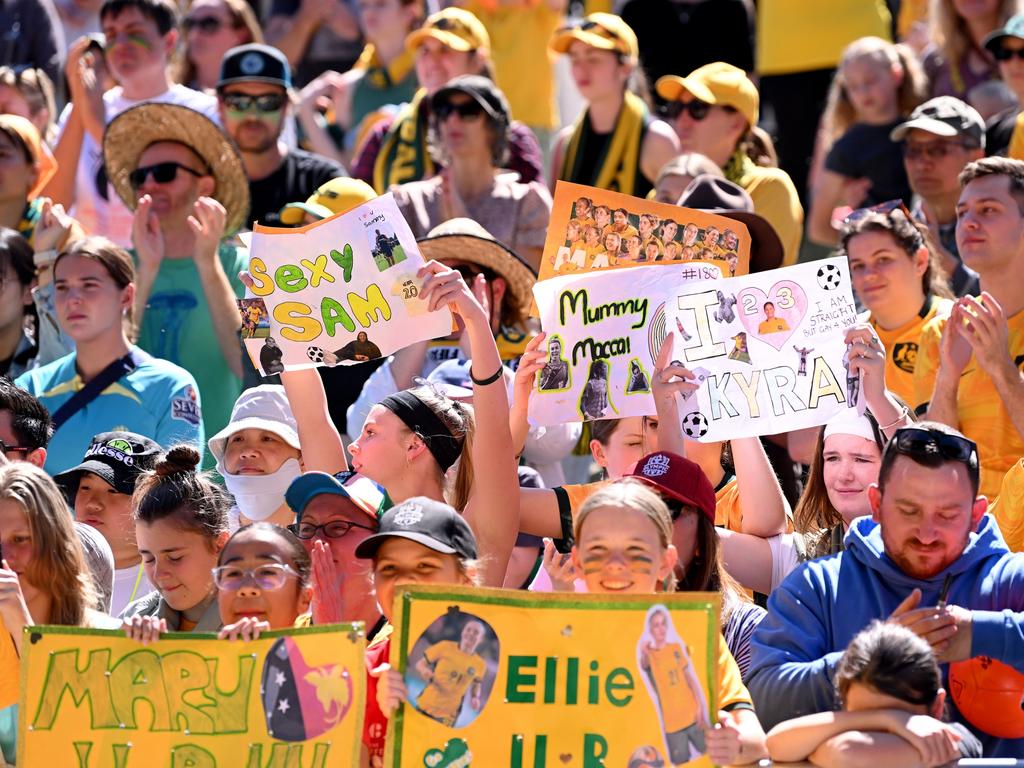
(95, 699)
(502, 678)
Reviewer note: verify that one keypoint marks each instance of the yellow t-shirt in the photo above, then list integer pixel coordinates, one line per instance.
(627, 231)
(454, 671)
(1008, 509)
(775, 199)
(901, 347)
(10, 677)
(522, 62)
(728, 512)
(983, 417)
(668, 665)
(800, 36)
(773, 325)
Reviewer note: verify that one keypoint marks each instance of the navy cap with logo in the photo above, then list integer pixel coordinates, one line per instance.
(433, 524)
(255, 63)
(118, 458)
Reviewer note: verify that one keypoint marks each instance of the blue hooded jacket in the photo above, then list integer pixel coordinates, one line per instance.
(816, 611)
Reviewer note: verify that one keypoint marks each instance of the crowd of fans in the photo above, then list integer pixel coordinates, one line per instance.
(140, 139)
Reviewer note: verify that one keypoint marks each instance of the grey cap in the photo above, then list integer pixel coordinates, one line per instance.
(100, 559)
(1014, 27)
(944, 116)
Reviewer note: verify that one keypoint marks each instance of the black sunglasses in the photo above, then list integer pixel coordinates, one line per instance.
(205, 24)
(467, 110)
(926, 445)
(698, 109)
(243, 102)
(163, 173)
(5, 448)
(1005, 54)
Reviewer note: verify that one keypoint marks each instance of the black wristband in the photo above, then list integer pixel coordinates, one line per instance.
(489, 379)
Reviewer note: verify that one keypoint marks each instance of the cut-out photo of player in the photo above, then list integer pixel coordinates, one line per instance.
(609, 257)
(271, 357)
(255, 318)
(594, 398)
(682, 705)
(803, 352)
(711, 237)
(554, 376)
(634, 248)
(583, 212)
(638, 380)
(385, 248)
(669, 230)
(452, 668)
(739, 350)
(621, 225)
(726, 304)
(771, 323)
(690, 232)
(359, 349)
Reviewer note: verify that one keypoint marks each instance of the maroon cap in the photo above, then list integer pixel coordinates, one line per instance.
(678, 477)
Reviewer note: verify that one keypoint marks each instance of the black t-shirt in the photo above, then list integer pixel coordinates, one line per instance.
(675, 38)
(867, 152)
(296, 179)
(999, 131)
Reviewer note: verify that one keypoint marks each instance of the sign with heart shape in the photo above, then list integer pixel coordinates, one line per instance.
(772, 317)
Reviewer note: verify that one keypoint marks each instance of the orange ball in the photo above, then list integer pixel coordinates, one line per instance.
(990, 695)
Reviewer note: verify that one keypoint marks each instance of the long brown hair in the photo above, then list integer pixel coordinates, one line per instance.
(242, 16)
(114, 259)
(36, 87)
(949, 30)
(459, 418)
(58, 565)
(176, 490)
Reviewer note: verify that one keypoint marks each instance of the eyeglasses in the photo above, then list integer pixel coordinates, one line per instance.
(1005, 54)
(243, 102)
(928, 445)
(268, 578)
(936, 150)
(886, 208)
(5, 448)
(467, 110)
(336, 529)
(698, 109)
(162, 173)
(205, 24)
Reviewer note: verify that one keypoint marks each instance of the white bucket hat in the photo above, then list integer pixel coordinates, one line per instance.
(264, 407)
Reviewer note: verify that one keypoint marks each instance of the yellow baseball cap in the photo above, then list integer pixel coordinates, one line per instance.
(334, 196)
(600, 30)
(716, 83)
(456, 28)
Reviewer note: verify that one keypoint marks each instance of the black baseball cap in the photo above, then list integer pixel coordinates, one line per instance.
(945, 116)
(482, 90)
(433, 524)
(115, 457)
(255, 63)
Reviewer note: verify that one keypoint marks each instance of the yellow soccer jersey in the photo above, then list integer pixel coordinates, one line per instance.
(668, 665)
(774, 325)
(9, 666)
(1008, 509)
(454, 671)
(901, 346)
(728, 512)
(627, 231)
(983, 418)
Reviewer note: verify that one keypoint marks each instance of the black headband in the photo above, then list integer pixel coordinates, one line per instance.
(445, 448)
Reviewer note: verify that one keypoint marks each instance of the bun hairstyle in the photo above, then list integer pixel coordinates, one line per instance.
(175, 490)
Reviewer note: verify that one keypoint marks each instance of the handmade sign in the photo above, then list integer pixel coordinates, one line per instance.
(767, 350)
(339, 291)
(595, 229)
(604, 331)
(94, 698)
(527, 680)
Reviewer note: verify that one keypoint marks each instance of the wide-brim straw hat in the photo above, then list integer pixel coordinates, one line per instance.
(128, 135)
(465, 240)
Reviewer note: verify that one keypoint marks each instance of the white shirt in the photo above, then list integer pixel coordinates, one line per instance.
(111, 217)
(129, 585)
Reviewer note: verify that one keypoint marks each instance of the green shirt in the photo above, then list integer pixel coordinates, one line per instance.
(177, 326)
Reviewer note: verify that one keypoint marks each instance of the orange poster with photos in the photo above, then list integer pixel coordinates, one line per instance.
(594, 229)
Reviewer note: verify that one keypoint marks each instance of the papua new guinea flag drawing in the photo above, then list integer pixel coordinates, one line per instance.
(302, 702)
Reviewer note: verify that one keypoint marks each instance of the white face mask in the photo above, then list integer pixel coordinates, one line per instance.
(260, 496)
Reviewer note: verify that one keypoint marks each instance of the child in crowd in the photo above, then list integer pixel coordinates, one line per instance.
(100, 490)
(877, 85)
(624, 546)
(181, 524)
(893, 707)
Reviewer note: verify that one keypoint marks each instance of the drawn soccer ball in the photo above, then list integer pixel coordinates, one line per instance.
(315, 354)
(695, 425)
(829, 277)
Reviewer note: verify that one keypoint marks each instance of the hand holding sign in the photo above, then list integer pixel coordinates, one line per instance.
(13, 609)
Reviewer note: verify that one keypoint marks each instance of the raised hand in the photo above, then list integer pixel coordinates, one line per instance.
(147, 237)
(327, 606)
(207, 223)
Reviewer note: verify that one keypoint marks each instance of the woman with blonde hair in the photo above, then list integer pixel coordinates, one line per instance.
(957, 60)
(210, 28)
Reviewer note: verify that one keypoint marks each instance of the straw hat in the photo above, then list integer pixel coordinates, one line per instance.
(465, 240)
(128, 135)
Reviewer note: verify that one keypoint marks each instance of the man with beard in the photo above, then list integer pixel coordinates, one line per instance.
(253, 99)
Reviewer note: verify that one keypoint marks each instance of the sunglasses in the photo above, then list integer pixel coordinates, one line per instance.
(467, 110)
(162, 173)
(926, 445)
(1005, 54)
(243, 102)
(886, 208)
(5, 448)
(698, 109)
(934, 151)
(205, 24)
